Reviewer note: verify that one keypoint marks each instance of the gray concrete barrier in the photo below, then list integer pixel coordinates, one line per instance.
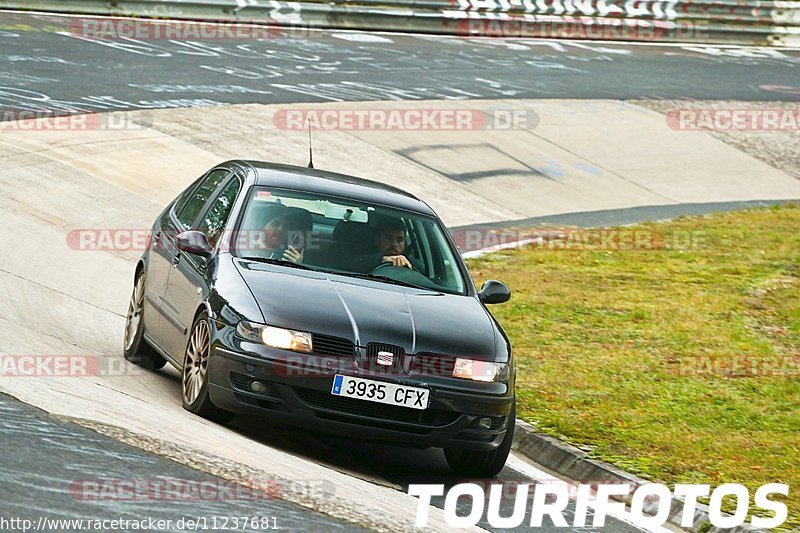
(765, 23)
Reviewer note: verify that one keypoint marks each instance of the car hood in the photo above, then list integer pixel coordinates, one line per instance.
(366, 311)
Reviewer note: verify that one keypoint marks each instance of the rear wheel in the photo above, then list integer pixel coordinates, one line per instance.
(194, 377)
(135, 348)
(483, 464)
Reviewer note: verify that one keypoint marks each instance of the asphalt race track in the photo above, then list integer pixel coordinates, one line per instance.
(43, 456)
(58, 300)
(46, 62)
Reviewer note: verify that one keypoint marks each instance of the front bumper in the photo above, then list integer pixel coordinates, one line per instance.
(450, 421)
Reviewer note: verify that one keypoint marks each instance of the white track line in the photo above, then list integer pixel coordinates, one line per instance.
(540, 476)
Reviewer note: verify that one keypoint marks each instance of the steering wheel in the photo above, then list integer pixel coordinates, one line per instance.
(384, 266)
(408, 275)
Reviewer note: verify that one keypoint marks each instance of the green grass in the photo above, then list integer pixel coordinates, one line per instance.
(604, 340)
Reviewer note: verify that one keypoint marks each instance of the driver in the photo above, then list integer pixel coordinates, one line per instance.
(390, 243)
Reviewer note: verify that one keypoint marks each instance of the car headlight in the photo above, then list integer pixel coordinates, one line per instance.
(480, 370)
(285, 339)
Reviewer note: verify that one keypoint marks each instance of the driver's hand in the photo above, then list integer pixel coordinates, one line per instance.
(291, 254)
(397, 260)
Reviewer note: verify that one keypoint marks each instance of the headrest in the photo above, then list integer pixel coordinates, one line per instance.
(299, 219)
(355, 234)
(261, 213)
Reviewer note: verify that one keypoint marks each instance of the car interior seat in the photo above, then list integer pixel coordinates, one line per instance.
(349, 239)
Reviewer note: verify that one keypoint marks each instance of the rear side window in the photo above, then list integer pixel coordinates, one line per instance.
(198, 198)
(213, 222)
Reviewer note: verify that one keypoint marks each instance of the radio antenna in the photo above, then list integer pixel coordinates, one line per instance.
(310, 151)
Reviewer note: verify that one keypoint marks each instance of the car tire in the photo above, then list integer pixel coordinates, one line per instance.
(483, 464)
(134, 346)
(194, 375)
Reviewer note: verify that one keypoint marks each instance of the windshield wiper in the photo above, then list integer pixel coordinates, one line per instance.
(282, 262)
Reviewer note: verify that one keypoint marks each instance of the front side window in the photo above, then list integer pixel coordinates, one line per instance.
(189, 209)
(348, 236)
(213, 221)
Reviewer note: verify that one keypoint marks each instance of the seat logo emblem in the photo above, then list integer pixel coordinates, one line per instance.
(385, 358)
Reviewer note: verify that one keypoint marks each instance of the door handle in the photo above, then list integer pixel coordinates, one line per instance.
(176, 260)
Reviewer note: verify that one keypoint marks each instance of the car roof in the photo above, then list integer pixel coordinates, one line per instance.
(324, 182)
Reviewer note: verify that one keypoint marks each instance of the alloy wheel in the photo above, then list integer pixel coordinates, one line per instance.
(134, 312)
(196, 362)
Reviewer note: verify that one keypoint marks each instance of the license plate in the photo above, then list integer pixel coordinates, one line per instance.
(380, 392)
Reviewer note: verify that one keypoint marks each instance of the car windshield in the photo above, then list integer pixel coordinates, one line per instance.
(347, 236)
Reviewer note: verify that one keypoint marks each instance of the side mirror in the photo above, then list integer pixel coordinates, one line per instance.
(194, 242)
(494, 292)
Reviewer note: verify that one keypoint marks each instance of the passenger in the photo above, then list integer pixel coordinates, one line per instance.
(275, 245)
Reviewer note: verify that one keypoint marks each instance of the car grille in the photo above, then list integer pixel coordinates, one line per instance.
(497, 423)
(398, 358)
(240, 381)
(327, 346)
(434, 365)
(387, 413)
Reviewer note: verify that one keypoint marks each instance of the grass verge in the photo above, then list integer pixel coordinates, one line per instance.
(678, 363)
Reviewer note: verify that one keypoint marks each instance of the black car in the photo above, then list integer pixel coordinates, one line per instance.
(329, 302)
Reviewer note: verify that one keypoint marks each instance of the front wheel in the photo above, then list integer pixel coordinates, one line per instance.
(483, 464)
(194, 377)
(135, 347)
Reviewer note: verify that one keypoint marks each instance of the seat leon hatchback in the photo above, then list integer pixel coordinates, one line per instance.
(327, 302)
